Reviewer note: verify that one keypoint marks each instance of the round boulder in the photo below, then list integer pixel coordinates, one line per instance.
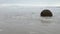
(46, 13)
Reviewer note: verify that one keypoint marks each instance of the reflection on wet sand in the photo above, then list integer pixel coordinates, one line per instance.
(46, 20)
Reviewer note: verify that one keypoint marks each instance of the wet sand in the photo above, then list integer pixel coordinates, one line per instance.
(25, 22)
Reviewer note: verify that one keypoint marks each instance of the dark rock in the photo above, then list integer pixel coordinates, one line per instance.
(46, 13)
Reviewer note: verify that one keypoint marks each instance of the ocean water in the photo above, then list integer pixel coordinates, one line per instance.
(27, 20)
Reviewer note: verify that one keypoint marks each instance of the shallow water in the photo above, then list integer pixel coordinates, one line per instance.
(28, 21)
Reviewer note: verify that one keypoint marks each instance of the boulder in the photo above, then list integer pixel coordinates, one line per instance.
(46, 13)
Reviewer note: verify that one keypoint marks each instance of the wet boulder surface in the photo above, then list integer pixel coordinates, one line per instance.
(46, 13)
